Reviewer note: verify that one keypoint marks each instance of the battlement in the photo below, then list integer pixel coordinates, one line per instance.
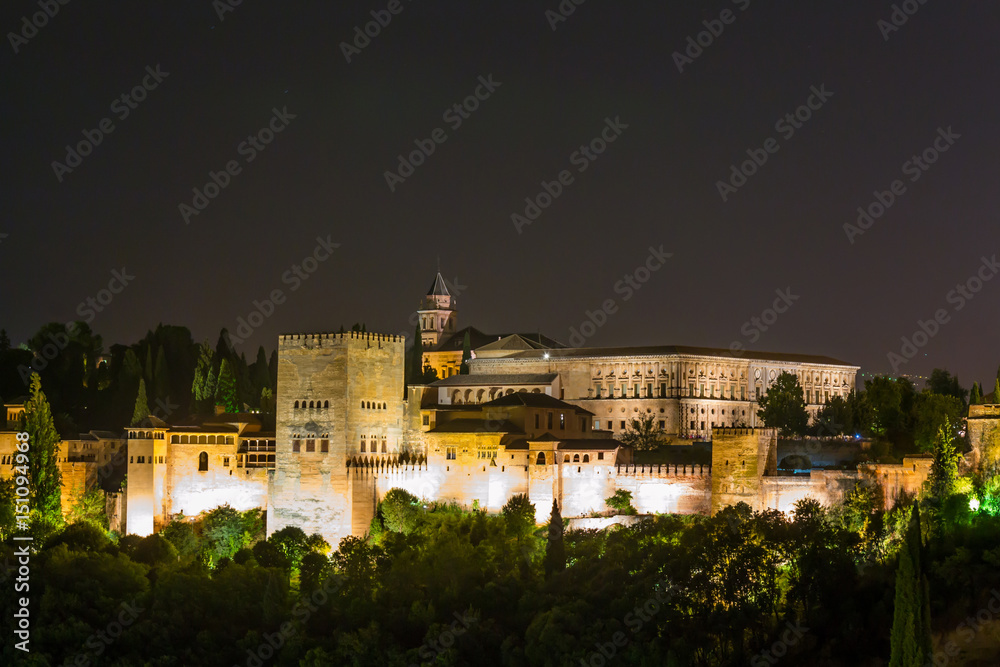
(988, 410)
(748, 430)
(319, 340)
(663, 470)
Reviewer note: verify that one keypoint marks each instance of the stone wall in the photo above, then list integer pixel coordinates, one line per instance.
(667, 489)
(741, 457)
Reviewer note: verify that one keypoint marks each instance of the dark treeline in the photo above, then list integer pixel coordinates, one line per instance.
(90, 387)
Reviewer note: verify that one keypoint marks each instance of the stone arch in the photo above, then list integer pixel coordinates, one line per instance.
(326, 404)
(175, 440)
(540, 461)
(576, 458)
(203, 462)
(586, 458)
(508, 392)
(566, 459)
(468, 395)
(229, 439)
(296, 405)
(184, 440)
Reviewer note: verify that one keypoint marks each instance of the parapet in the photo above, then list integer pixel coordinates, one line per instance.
(748, 430)
(319, 340)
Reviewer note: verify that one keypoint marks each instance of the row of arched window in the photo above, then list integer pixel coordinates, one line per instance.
(312, 405)
(374, 445)
(145, 435)
(368, 405)
(324, 443)
(201, 439)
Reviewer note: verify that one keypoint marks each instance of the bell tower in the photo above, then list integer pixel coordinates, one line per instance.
(437, 313)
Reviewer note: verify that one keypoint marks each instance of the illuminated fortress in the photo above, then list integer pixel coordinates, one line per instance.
(531, 416)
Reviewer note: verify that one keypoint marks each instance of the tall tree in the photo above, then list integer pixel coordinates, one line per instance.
(996, 391)
(225, 393)
(259, 375)
(976, 395)
(148, 368)
(784, 406)
(555, 548)
(4, 341)
(944, 469)
(910, 640)
(944, 383)
(202, 375)
(161, 376)
(416, 368)
(43, 455)
(930, 412)
(642, 434)
(141, 411)
(466, 354)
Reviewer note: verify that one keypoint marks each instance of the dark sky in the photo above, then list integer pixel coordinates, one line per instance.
(656, 184)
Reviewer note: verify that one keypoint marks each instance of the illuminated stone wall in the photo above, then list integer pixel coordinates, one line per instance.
(361, 376)
(741, 457)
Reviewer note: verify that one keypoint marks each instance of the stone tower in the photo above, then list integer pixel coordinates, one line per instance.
(741, 458)
(437, 313)
(340, 397)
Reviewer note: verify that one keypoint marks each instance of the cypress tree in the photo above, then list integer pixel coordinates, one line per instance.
(416, 357)
(202, 375)
(555, 548)
(141, 404)
(225, 393)
(147, 369)
(161, 376)
(996, 391)
(976, 395)
(43, 470)
(911, 642)
(466, 355)
(944, 469)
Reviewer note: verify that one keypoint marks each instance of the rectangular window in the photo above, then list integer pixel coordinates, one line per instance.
(600, 456)
(324, 446)
(663, 424)
(297, 446)
(635, 391)
(583, 423)
(624, 389)
(450, 453)
(692, 425)
(597, 390)
(597, 424)
(142, 459)
(310, 445)
(649, 390)
(548, 421)
(225, 461)
(663, 390)
(562, 421)
(703, 426)
(536, 420)
(691, 389)
(621, 424)
(427, 420)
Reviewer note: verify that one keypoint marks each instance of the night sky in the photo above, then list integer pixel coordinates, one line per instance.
(323, 175)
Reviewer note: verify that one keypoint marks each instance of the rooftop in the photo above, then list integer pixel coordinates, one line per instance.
(679, 350)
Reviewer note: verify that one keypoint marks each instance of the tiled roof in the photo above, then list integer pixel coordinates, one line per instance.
(684, 350)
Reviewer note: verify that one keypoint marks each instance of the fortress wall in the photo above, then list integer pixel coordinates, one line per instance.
(668, 489)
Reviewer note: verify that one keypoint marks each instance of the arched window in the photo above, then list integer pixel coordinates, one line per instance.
(326, 404)
(184, 440)
(540, 461)
(229, 439)
(211, 439)
(175, 440)
(202, 440)
(586, 458)
(203, 462)
(362, 445)
(383, 445)
(576, 458)
(296, 405)
(362, 405)
(566, 459)
(311, 405)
